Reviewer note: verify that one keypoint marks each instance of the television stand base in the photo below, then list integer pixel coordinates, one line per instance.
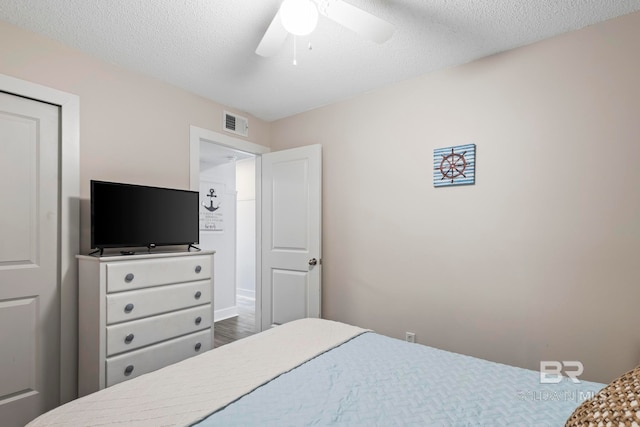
(127, 252)
(99, 250)
(191, 245)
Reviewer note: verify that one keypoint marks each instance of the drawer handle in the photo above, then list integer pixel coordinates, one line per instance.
(198, 269)
(198, 345)
(198, 320)
(128, 339)
(129, 278)
(198, 295)
(128, 308)
(128, 370)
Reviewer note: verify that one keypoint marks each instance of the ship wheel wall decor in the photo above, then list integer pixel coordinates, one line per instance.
(454, 165)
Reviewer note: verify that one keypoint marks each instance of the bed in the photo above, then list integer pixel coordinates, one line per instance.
(319, 372)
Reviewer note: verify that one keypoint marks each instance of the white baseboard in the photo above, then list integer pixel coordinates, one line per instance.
(225, 313)
(247, 293)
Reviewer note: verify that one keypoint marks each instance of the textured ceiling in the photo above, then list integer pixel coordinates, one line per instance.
(207, 46)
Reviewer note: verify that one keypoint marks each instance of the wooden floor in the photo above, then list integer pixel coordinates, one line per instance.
(234, 328)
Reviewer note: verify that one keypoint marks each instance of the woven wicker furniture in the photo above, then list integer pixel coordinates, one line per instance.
(618, 404)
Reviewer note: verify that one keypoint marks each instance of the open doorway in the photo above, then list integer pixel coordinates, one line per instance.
(235, 163)
(288, 227)
(227, 225)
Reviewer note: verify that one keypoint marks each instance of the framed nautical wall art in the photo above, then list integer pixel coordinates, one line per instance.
(211, 206)
(454, 165)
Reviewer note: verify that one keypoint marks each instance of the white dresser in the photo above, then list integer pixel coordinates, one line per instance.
(138, 313)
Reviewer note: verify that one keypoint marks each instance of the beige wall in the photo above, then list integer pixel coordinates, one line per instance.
(132, 128)
(537, 261)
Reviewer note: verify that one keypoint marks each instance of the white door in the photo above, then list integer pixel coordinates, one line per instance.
(291, 234)
(29, 289)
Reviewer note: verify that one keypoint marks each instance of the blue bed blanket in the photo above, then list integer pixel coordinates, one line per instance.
(373, 380)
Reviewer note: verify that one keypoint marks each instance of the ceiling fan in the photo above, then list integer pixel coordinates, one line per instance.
(300, 17)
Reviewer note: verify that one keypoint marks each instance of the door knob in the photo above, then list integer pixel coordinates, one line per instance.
(313, 262)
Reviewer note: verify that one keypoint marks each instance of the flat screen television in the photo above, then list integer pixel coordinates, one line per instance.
(126, 215)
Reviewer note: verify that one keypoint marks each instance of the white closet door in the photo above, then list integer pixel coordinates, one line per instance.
(29, 288)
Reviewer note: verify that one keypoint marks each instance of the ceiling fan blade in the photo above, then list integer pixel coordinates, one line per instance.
(358, 20)
(273, 38)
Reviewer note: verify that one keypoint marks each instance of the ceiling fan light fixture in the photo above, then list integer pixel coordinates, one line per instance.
(299, 17)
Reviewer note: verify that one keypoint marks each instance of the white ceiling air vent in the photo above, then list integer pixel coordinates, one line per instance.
(235, 124)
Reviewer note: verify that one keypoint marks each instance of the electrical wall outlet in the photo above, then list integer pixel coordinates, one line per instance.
(410, 336)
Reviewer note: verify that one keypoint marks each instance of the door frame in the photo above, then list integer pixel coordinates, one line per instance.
(198, 135)
(69, 222)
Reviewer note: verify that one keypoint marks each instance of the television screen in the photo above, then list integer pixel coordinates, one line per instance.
(125, 215)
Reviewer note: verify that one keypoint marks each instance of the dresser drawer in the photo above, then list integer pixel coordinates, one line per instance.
(127, 275)
(135, 363)
(124, 306)
(139, 333)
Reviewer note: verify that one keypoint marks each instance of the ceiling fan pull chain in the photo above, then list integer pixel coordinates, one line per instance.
(295, 61)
